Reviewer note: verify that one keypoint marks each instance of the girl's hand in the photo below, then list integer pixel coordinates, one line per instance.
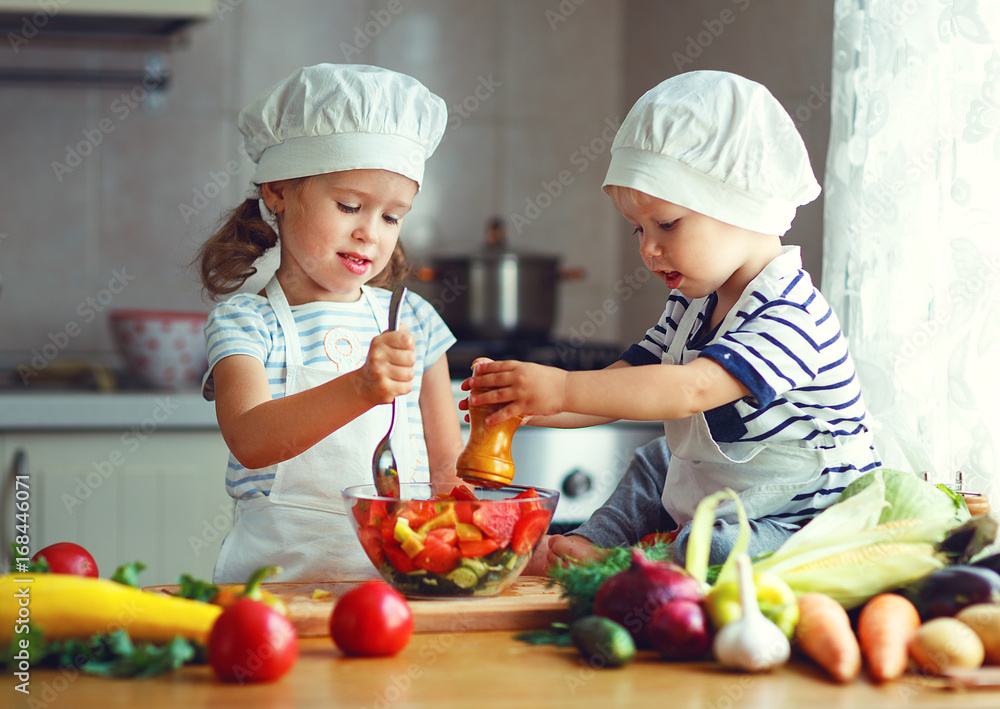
(526, 388)
(563, 549)
(388, 370)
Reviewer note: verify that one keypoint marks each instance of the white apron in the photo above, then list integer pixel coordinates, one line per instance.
(302, 525)
(766, 475)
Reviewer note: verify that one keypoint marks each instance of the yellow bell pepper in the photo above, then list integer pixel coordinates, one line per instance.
(776, 600)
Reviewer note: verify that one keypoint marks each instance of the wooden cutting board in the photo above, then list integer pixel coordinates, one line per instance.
(529, 603)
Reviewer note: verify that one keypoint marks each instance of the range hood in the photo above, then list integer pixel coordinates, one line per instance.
(141, 21)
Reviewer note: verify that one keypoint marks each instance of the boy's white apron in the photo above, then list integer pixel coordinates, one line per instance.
(302, 525)
(765, 475)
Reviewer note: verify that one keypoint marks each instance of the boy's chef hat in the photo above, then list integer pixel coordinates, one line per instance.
(333, 117)
(718, 144)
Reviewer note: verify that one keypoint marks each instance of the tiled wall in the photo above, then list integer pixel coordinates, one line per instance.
(535, 90)
(787, 46)
(527, 84)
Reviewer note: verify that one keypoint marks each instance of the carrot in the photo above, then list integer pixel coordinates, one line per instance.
(824, 634)
(885, 626)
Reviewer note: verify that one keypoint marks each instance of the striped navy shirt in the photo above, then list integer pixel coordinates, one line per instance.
(332, 336)
(786, 347)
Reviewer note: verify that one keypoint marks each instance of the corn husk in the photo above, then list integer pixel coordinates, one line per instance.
(845, 553)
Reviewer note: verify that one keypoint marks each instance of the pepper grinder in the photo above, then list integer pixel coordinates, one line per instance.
(486, 459)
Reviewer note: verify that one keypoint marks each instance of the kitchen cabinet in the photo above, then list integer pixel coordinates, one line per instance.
(158, 497)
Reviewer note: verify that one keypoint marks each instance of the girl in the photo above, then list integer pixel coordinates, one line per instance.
(747, 366)
(301, 371)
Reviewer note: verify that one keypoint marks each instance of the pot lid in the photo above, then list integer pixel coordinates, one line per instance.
(496, 247)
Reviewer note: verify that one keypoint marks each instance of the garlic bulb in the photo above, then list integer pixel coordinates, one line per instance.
(752, 643)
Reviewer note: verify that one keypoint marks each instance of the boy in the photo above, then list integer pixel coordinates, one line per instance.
(753, 378)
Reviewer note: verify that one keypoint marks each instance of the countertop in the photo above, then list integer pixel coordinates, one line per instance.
(488, 669)
(82, 410)
(68, 410)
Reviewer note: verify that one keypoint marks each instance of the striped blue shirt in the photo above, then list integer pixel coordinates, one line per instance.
(786, 347)
(332, 336)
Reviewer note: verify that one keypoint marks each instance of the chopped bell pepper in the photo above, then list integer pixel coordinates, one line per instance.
(410, 540)
(448, 518)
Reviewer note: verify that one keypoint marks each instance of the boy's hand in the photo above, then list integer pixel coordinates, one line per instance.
(388, 370)
(563, 549)
(526, 388)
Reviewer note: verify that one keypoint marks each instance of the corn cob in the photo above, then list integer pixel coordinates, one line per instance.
(844, 553)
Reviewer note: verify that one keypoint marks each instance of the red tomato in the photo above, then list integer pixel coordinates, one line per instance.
(371, 620)
(369, 512)
(398, 559)
(529, 494)
(438, 556)
(448, 535)
(481, 547)
(529, 529)
(68, 558)
(371, 540)
(417, 512)
(252, 642)
(497, 521)
(461, 492)
(465, 511)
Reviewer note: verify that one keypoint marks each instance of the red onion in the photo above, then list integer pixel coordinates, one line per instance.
(631, 597)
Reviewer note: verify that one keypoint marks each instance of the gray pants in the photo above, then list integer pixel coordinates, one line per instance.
(634, 510)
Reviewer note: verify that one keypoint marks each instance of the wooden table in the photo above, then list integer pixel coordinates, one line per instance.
(481, 670)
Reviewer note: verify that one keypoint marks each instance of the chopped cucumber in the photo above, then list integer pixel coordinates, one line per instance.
(463, 577)
(475, 565)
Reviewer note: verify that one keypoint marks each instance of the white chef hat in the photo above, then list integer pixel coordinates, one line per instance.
(718, 144)
(333, 117)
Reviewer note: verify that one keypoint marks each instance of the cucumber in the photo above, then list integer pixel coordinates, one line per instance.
(602, 642)
(463, 577)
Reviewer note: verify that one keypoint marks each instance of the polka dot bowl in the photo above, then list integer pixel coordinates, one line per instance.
(163, 349)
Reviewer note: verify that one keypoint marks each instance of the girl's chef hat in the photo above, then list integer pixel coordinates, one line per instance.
(718, 144)
(333, 117)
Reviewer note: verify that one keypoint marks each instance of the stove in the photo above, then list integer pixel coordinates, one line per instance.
(585, 464)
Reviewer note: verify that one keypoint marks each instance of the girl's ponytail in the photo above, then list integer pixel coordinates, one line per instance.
(227, 258)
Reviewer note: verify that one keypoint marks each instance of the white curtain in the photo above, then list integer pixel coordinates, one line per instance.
(912, 225)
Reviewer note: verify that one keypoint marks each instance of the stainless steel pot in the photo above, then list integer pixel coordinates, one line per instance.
(498, 293)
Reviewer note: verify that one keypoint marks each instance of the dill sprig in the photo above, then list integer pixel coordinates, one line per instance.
(581, 580)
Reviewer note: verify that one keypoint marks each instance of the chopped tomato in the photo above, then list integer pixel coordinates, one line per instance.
(497, 521)
(529, 494)
(437, 557)
(529, 529)
(448, 535)
(388, 528)
(465, 511)
(371, 540)
(461, 492)
(398, 559)
(370, 512)
(417, 512)
(481, 547)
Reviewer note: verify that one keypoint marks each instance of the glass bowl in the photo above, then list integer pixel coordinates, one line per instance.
(448, 540)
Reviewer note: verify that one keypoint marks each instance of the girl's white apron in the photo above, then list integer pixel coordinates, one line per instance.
(302, 525)
(765, 475)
